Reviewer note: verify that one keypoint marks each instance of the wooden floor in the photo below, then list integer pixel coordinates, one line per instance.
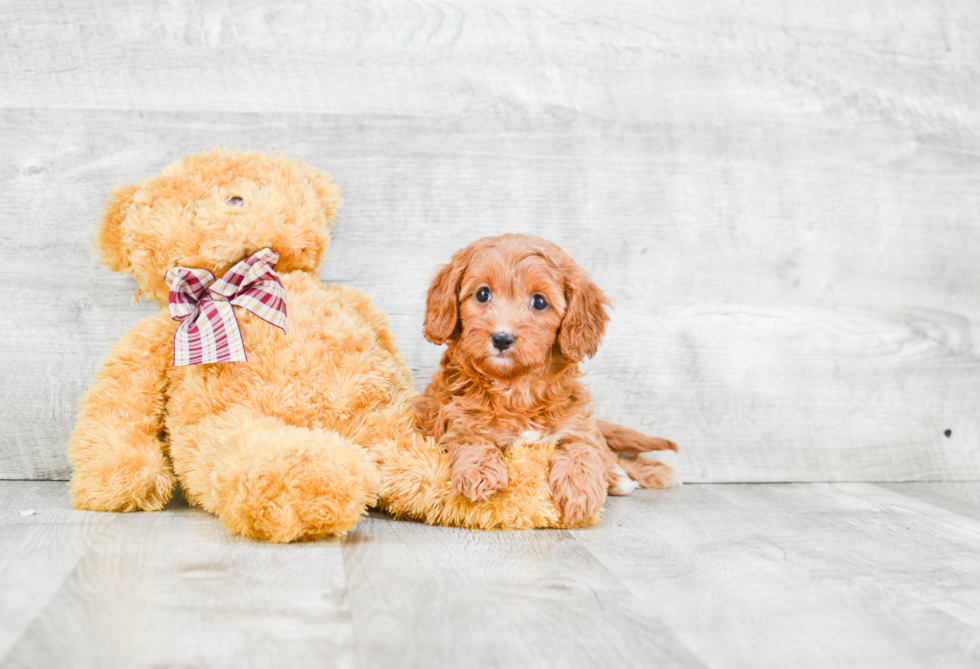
(775, 575)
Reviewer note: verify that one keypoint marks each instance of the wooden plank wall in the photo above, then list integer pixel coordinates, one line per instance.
(780, 198)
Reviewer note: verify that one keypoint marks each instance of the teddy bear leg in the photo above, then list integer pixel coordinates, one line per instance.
(416, 479)
(270, 480)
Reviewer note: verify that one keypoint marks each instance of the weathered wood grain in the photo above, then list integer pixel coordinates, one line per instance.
(798, 388)
(780, 200)
(39, 550)
(653, 63)
(806, 575)
(722, 576)
(425, 596)
(961, 498)
(173, 588)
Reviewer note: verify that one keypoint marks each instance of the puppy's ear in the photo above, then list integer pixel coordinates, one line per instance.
(442, 304)
(108, 238)
(585, 317)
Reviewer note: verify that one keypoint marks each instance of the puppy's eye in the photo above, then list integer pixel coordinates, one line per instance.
(539, 303)
(483, 295)
(236, 201)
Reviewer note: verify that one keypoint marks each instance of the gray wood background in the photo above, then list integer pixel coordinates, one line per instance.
(780, 198)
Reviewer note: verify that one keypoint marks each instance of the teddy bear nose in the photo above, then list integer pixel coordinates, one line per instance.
(503, 340)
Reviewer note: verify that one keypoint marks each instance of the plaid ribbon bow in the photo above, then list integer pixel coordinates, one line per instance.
(209, 331)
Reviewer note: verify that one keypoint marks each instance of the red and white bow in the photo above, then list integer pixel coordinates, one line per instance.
(209, 331)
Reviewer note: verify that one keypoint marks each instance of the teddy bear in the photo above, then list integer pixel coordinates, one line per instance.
(263, 392)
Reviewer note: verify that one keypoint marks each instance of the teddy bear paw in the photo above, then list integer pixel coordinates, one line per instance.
(140, 481)
(288, 483)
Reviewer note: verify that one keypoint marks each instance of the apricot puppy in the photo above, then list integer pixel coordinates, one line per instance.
(519, 315)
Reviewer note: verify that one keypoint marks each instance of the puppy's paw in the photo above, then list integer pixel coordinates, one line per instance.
(619, 482)
(478, 473)
(578, 488)
(577, 499)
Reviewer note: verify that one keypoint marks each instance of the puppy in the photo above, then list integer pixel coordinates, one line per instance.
(519, 315)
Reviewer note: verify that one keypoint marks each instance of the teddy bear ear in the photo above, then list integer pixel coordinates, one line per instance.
(108, 238)
(327, 192)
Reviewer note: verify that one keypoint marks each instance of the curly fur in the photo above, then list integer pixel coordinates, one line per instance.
(484, 401)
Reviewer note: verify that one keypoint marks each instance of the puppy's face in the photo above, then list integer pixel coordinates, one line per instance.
(510, 308)
(511, 303)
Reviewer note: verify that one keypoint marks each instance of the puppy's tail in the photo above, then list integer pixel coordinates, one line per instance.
(625, 470)
(624, 440)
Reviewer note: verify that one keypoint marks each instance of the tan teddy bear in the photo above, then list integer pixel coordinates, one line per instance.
(258, 388)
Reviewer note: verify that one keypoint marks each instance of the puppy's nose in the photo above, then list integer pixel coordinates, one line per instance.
(503, 340)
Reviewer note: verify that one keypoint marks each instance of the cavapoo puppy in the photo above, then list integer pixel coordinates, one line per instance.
(519, 315)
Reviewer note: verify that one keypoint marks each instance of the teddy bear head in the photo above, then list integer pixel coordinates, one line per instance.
(212, 210)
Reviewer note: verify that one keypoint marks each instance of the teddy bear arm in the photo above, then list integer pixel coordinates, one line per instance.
(117, 449)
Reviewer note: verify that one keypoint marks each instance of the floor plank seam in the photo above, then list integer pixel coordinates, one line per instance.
(54, 594)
